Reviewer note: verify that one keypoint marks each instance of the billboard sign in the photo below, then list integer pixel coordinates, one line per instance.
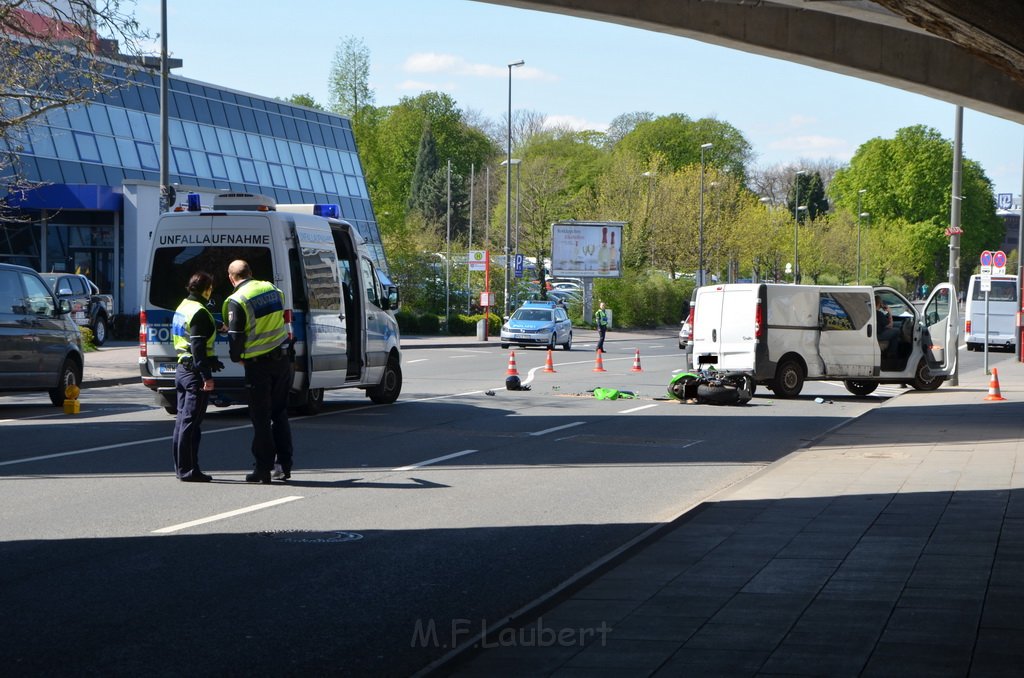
(586, 249)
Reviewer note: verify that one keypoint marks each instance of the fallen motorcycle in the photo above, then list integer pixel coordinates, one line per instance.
(713, 387)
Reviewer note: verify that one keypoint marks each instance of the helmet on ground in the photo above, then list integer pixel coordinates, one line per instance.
(513, 383)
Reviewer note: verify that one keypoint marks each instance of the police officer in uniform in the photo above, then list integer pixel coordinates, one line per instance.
(601, 319)
(258, 339)
(194, 333)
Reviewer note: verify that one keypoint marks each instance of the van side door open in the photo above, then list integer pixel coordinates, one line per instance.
(323, 325)
(942, 329)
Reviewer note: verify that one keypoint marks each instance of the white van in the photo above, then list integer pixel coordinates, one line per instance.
(341, 307)
(786, 334)
(1003, 305)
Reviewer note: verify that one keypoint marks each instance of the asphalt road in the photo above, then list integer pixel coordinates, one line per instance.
(404, 531)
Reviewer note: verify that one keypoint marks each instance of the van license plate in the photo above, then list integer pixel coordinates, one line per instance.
(167, 368)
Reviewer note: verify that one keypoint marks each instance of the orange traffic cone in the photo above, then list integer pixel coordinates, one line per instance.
(511, 371)
(599, 364)
(636, 362)
(549, 366)
(993, 387)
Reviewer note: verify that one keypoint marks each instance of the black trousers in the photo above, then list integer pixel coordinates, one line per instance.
(268, 382)
(192, 401)
(601, 331)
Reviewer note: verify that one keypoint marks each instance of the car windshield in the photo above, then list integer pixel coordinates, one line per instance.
(532, 314)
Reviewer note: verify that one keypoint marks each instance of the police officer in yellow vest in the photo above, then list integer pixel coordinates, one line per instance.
(258, 338)
(194, 333)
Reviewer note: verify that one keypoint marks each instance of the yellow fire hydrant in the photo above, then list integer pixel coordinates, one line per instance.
(71, 404)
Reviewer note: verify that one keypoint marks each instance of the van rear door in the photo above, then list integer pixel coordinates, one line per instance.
(707, 323)
(942, 320)
(324, 322)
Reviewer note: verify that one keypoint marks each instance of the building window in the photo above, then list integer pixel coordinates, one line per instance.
(87, 149)
(248, 170)
(183, 161)
(217, 167)
(147, 155)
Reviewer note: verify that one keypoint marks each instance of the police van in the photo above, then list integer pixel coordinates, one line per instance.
(340, 307)
(784, 335)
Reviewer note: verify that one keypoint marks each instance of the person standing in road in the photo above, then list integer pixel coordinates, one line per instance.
(194, 333)
(601, 320)
(258, 338)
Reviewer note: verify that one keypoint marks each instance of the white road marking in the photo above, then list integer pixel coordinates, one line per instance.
(637, 409)
(418, 360)
(428, 462)
(222, 516)
(557, 428)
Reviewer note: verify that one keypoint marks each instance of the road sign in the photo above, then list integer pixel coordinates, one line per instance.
(954, 230)
(999, 263)
(1004, 201)
(487, 298)
(986, 262)
(520, 260)
(477, 260)
(986, 282)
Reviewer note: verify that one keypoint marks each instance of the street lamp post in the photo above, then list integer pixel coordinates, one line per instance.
(860, 216)
(647, 212)
(508, 181)
(796, 227)
(700, 220)
(515, 238)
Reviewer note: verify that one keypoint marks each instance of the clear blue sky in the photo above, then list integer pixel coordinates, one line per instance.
(578, 71)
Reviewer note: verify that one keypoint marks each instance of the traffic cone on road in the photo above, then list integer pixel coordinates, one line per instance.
(599, 364)
(512, 371)
(549, 366)
(636, 362)
(993, 387)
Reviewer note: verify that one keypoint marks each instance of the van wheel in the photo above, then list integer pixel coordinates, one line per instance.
(972, 347)
(70, 374)
(386, 392)
(789, 379)
(504, 345)
(314, 402)
(924, 380)
(860, 388)
(99, 330)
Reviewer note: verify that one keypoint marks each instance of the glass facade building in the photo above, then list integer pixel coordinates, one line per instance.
(99, 169)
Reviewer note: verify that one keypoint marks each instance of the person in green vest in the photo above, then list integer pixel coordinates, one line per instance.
(601, 320)
(193, 335)
(258, 339)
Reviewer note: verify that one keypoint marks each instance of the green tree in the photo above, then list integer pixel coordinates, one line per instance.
(304, 99)
(908, 183)
(678, 139)
(349, 81)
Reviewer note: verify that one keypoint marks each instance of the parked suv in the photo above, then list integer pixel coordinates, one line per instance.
(40, 344)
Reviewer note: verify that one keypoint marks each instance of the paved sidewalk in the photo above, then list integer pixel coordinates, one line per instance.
(892, 546)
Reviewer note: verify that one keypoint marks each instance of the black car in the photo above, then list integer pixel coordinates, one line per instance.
(40, 344)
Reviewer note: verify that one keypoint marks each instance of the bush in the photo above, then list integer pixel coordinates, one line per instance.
(429, 324)
(408, 323)
(88, 339)
(465, 325)
(643, 299)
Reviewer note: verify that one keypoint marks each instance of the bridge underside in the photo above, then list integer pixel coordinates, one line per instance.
(966, 53)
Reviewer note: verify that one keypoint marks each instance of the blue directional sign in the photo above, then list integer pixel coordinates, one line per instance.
(520, 259)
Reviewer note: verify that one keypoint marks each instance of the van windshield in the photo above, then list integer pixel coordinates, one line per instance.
(173, 266)
(1002, 290)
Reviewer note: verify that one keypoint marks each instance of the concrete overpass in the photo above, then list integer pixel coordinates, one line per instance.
(966, 52)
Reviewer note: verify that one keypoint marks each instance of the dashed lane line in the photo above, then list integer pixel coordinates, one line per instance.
(223, 516)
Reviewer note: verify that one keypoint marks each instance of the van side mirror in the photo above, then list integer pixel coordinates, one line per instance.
(391, 300)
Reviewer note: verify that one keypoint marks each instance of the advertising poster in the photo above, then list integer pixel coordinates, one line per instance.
(582, 249)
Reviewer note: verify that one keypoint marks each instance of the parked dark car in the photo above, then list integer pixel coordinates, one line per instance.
(89, 308)
(40, 344)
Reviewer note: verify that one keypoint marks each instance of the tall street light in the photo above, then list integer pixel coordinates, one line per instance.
(700, 220)
(796, 227)
(508, 180)
(517, 162)
(860, 217)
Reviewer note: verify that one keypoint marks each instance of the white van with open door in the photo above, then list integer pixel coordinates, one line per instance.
(784, 335)
(339, 304)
